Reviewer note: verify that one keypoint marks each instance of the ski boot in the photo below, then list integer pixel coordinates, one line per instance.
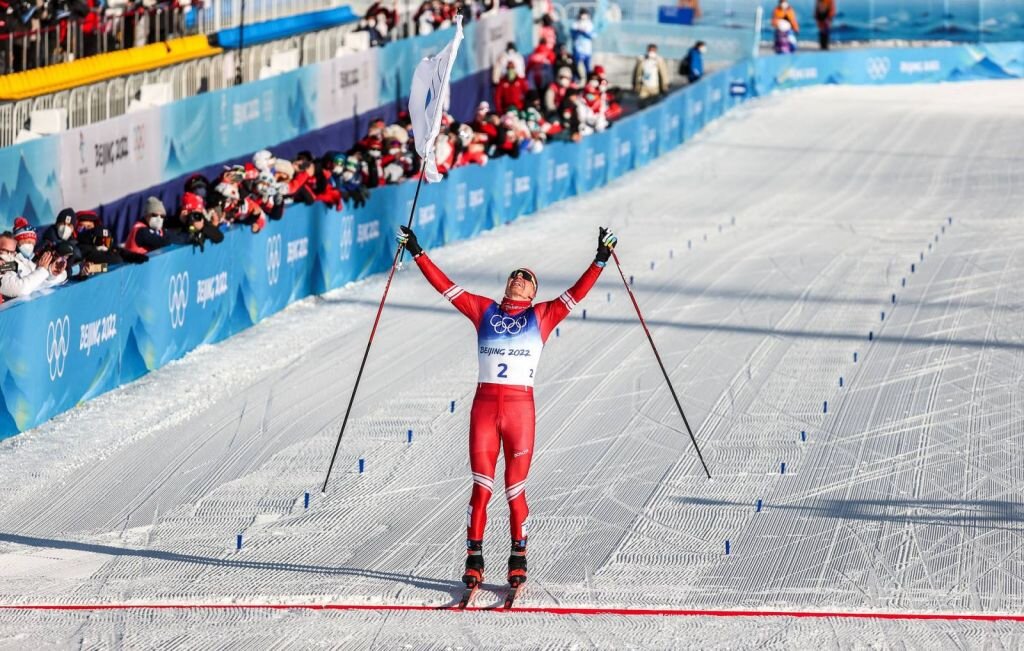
(474, 574)
(517, 564)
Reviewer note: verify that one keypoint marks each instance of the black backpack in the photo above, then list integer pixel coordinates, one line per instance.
(684, 65)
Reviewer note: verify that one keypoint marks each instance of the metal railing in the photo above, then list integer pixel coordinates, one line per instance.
(111, 98)
(41, 40)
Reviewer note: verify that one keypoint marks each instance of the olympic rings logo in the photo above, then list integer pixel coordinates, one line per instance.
(507, 324)
(177, 298)
(878, 67)
(273, 259)
(58, 335)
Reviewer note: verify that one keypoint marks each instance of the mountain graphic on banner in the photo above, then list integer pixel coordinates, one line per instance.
(298, 113)
(173, 166)
(985, 68)
(25, 198)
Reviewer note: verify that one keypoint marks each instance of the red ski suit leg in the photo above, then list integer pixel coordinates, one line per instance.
(502, 417)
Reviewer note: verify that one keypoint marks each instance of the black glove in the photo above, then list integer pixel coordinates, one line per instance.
(407, 238)
(606, 241)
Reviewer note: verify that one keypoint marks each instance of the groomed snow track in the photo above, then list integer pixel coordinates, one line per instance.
(765, 254)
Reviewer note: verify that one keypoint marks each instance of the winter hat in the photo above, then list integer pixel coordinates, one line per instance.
(87, 219)
(22, 230)
(191, 202)
(263, 160)
(285, 168)
(155, 207)
(66, 216)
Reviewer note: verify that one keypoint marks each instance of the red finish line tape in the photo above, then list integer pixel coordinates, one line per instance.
(545, 610)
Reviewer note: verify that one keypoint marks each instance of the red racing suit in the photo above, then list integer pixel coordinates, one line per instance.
(510, 337)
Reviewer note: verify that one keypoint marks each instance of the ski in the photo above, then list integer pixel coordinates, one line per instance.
(510, 596)
(467, 596)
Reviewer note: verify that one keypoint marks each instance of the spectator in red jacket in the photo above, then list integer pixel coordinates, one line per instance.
(511, 92)
(540, 64)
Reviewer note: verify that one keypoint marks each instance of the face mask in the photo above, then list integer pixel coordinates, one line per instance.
(338, 169)
(63, 231)
(102, 248)
(27, 250)
(7, 256)
(156, 223)
(563, 82)
(702, 49)
(347, 175)
(651, 55)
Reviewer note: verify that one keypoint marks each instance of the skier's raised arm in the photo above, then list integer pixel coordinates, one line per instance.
(551, 313)
(471, 305)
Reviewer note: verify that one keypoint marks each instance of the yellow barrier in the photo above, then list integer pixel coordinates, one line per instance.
(103, 66)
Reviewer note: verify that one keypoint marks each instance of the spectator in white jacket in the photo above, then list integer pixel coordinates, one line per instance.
(19, 276)
(509, 55)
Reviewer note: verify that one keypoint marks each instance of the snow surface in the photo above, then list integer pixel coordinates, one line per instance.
(905, 496)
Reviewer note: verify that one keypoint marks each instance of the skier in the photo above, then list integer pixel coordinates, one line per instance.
(510, 337)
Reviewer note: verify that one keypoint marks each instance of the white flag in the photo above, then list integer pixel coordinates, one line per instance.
(428, 97)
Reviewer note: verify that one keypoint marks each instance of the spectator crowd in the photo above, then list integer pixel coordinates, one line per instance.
(554, 93)
(36, 33)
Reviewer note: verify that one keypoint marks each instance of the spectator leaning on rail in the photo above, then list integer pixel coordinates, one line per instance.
(148, 234)
(20, 276)
(824, 13)
(692, 65)
(650, 76)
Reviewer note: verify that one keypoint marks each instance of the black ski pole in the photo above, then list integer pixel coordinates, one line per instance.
(636, 306)
(373, 331)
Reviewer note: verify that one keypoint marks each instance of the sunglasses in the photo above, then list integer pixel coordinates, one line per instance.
(524, 274)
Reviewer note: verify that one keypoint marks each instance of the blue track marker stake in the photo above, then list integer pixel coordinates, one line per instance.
(452, 408)
(689, 244)
(652, 265)
(631, 281)
(609, 297)
(904, 282)
(408, 436)
(556, 332)
(922, 256)
(727, 548)
(871, 335)
(803, 437)
(705, 237)
(238, 542)
(894, 299)
(929, 246)
(840, 381)
(943, 229)
(950, 220)
(719, 228)
(912, 268)
(362, 465)
(936, 238)
(733, 222)
(758, 506)
(782, 468)
(883, 315)
(584, 315)
(825, 408)
(671, 254)
(854, 357)
(305, 501)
